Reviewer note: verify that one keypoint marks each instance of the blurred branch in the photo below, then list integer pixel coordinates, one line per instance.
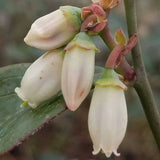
(142, 85)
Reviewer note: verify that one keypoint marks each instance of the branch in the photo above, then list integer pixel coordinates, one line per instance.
(142, 85)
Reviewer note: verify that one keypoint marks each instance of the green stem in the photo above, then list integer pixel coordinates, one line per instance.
(107, 38)
(142, 85)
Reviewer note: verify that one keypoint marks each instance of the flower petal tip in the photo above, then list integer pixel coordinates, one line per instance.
(19, 92)
(108, 154)
(33, 105)
(72, 107)
(27, 41)
(96, 150)
(116, 153)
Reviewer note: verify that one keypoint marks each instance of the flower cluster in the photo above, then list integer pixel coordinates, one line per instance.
(68, 66)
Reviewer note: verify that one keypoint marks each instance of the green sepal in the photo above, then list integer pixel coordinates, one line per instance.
(73, 15)
(60, 50)
(82, 40)
(110, 78)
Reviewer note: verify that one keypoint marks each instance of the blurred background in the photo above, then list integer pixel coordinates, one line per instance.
(67, 137)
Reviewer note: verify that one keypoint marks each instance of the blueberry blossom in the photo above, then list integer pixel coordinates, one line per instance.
(55, 29)
(41, 81)
(108, 114)
(78, 70)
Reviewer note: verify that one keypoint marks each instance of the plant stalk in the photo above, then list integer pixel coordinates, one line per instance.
(142, 85)
(124, 67)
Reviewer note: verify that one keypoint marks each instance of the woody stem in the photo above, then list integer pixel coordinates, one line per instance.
(142, 85)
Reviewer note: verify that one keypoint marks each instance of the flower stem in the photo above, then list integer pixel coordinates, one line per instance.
(142, 85)
(107, 38)
(111, 61)
(125, 68)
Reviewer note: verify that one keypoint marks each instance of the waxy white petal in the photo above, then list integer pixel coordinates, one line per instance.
(107, 119)
(41, 81)
(52, 30)
(77, 75)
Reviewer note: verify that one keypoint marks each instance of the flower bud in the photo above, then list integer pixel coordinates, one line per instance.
(95, 1)
(42, 79)
(78, 70)
(108, 114)
(55, 29)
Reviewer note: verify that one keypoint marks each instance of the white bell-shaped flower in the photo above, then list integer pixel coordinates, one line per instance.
(108, 115)
(55, 29)
(42, 79)
(78, 70)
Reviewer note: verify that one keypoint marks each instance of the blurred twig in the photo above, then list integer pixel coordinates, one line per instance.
(142, 85)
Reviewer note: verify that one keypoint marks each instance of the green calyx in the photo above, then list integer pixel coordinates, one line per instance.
(110, 78)
(61, 51)
(73, 15)
(82, 40)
